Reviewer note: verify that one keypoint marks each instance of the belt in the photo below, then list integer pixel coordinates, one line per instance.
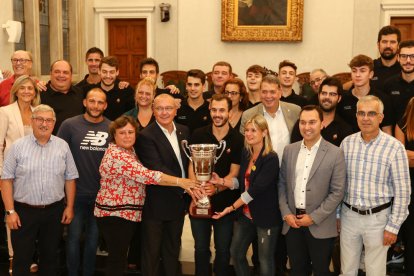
(44, 206)
(300, 211)
(369, 211)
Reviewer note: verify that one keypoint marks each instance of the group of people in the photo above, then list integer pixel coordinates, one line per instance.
(296, 171)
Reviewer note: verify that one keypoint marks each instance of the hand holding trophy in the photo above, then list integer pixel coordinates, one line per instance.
(203, 157)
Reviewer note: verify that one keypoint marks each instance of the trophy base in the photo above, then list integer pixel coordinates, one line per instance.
(200, 212)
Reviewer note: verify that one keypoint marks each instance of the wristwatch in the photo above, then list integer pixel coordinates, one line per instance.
(9, 212)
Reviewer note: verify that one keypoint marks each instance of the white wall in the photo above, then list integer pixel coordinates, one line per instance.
(6, 48)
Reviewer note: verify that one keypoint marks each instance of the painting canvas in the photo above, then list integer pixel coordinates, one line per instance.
(262, 20)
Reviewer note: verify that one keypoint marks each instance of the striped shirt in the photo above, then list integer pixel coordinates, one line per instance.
(39, 171)
(377, 172)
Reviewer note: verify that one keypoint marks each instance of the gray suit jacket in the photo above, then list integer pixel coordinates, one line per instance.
(324, 190)
(290, 112)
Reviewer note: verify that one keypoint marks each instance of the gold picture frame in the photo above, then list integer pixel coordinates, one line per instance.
(261, 20)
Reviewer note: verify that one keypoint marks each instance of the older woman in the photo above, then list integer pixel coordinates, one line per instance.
(259, 214)
(236, 91)
(15, 121)
(122, 194)
(144, 95)
(404, 131)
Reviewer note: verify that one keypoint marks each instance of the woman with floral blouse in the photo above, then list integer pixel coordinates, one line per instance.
(122, 194)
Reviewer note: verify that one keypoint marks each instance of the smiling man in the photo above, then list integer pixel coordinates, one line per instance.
(61, 95)
(22, 65)
(287, 77)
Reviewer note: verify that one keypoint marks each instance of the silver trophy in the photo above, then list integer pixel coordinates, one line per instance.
(203, 157)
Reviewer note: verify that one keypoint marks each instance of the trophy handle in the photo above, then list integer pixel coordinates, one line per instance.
(221, 147)
(184, 146)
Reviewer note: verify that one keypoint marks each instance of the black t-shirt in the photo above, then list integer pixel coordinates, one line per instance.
(383, 73)
(347, 108)
(409, 145)
(232, 155)
(193, 119)
(334, 133)
(65, 105)
(295, 99)
(400, 93)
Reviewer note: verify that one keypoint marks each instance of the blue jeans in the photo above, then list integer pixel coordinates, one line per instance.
(223, 232)
(245, 231)
(83, 222)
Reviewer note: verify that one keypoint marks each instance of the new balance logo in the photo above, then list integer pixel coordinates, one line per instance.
(95, 139)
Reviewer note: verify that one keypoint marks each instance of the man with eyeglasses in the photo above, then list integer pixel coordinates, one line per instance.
(315, 79)
(22, 65)
(334, 128)
(401, 87)
(194, 112)
(287, 77)
(378, 191)
(159, 148)
(38, 189)
(362, 68)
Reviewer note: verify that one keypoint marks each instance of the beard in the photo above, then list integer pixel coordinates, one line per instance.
(388, 55)
(223, 122)
(92, 115)
(331, 108)
(407, 71)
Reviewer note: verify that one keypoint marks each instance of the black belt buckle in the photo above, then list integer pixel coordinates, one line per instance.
(300, 212)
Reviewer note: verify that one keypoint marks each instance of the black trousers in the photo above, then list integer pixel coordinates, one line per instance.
(305, 251)
(161, 243)
(117, 233)
(43, 225)
(408, 240)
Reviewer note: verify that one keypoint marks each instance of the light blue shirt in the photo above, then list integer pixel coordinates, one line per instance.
(39, 171)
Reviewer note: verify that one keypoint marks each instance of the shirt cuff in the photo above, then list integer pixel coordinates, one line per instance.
(235, 183)
(246, 198)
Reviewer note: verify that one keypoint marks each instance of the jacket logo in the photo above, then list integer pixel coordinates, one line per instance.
(95, 139)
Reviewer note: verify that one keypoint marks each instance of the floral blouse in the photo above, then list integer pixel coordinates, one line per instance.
(123, 180)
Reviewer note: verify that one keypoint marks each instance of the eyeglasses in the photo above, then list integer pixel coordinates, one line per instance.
(168, 109)
(19, 60)
(41, 120)
(330, 94)
(232, 93)
(369, 114)
(312, 82)
(405, 56)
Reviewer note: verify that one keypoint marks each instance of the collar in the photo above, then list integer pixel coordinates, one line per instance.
(314, 147)
(166, 130)
(278, 111)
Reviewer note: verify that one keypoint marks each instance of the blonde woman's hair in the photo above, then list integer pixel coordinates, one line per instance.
(259, 122)
(18, 83)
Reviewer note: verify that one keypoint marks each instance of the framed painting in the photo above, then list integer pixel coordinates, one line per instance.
(261, 20)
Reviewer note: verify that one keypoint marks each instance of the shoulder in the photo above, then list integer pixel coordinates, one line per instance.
(253, 110)
(290, 107)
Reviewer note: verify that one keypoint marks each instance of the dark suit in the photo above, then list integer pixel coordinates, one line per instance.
(324, 191)
(164, 208)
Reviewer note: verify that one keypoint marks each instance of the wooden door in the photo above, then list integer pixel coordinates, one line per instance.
(128, 42)
(406, 26)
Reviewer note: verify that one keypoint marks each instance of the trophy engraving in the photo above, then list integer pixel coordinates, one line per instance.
(203, 157)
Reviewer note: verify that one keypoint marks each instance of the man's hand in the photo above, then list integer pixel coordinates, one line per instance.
(7, 74)
(41, 85)
(389, 238)
(304, 220)
(218, 215)
(67, 216)
(123, 84)
(173, 89)
(291, 221)
(13, 221)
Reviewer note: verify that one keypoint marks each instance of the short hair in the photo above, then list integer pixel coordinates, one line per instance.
(22, 51)
(94, 50)
(165, 96)
(244, 103)
(224, 63)
(146, 81)
(285, 63)
(387, 30)
(331, 81)
(95, 89)
(149, 61)
(257, 69)
(318, 70)
(18, 83)
(272, 79)
(43, 108)
(120, 122)
(111, 61)
(221, 97)
(311, 107)
(362, 60)
(406, 44)
(259, 122)
(56, 61)
(371, 98)
(196, 73)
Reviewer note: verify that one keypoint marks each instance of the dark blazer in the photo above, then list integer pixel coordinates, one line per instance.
(264, 207)
(324, 190)
(156, 153)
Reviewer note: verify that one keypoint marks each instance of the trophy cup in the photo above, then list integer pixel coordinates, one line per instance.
(203, 157)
